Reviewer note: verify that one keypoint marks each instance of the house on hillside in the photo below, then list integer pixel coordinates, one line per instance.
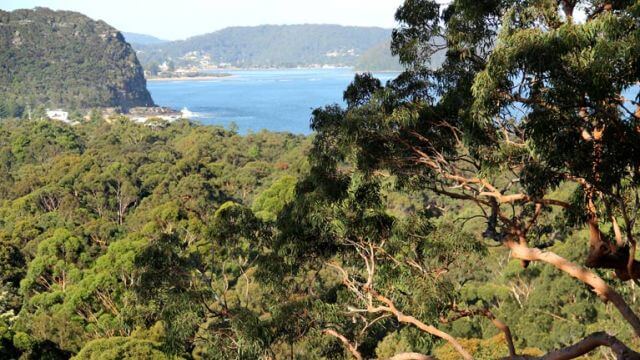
(58, 115)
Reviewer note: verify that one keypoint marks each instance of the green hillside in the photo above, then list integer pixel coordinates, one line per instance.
(482, 207)
(65, 59)
(269, 46)
(379, 58)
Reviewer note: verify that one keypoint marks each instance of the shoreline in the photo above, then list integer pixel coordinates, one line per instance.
(195, 78)
(225, 76)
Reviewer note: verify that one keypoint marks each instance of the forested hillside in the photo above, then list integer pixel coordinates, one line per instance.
(82, 208)
(379, 58)
(65, 59)
(486, 209)
(269, 46)
(125, 241)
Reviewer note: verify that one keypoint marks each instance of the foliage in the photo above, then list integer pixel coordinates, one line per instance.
(81, 206)
(440, 213)
(65, 59)
(270, 46)
(270, 202)
(116, 348)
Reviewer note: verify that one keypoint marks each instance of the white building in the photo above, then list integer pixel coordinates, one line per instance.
(58, 115)
(61, 115)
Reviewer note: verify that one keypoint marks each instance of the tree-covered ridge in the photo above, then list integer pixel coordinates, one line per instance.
(269, 46)
(379, 58)
(80, 206)
(65, 59)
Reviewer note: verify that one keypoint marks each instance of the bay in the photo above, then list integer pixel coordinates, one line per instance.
(275, 100)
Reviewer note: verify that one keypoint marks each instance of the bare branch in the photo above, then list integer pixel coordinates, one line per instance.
(585, 346)
(419, 324)
(599, 286)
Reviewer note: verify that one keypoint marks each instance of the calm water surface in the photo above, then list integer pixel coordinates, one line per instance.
(276, 100)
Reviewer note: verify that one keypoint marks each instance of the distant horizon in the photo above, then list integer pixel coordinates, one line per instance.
(167, 21)
(209, 32)
(253, 26)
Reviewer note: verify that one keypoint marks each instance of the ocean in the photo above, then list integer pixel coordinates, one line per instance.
(275, 100)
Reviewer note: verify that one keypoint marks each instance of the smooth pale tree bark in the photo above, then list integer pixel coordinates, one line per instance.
(599, 286)
(391, 308)
(366, 293)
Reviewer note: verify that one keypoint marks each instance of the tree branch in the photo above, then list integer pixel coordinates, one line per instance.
(353, 349)
(489, 315)
(585, 346)
(599, 286)
(417, 323)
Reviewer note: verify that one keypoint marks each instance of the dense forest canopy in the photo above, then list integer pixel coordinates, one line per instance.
(529, 100)
(482, 209)
(82, 207)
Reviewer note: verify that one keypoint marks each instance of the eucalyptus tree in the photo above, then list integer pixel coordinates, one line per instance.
(532, 95)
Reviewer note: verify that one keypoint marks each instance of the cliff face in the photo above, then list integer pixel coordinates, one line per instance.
(65, 59)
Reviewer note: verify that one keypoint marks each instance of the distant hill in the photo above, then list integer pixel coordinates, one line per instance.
(268, 46)
(141, 39)
(65, 59)
(379, 58)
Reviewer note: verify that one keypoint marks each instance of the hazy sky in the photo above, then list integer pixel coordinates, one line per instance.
(178, 19)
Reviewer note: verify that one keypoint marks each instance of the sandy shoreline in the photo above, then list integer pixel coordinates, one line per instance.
(185, 78)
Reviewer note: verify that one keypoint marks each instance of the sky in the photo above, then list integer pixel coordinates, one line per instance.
(179, 19)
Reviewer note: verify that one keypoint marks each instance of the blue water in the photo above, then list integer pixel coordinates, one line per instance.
(276, 100)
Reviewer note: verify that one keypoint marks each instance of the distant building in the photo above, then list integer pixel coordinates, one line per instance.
(164, 67)
(58, 115)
